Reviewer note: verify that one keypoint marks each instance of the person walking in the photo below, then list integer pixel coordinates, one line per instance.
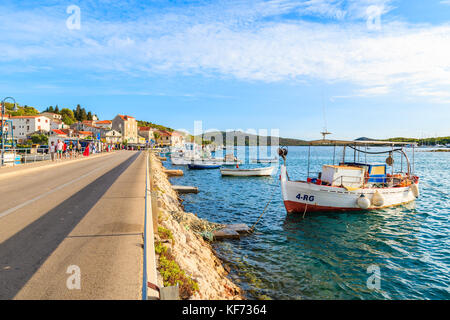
(65, 150)
(71, 149)
(52, 150)
(79, 149)
(59, 149)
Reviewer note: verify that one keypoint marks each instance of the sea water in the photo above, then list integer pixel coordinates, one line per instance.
(395, 253)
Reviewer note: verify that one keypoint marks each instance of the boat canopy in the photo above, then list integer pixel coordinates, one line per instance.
(327, 142)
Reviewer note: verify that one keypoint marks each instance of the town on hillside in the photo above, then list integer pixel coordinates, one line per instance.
(123, 131)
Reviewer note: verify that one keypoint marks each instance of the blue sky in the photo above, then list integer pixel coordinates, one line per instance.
(378, 68)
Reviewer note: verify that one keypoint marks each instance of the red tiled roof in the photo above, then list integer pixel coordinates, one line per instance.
(89, 133)
(103, 122)
(144, 128)
(24, 117)
(59, 132)
(164, 133)
(125, 117)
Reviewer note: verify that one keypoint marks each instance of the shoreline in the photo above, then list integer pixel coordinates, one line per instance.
(191, 252)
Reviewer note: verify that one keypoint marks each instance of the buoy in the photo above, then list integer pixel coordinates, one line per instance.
(377, 199)
(415, 190)
(363, 202)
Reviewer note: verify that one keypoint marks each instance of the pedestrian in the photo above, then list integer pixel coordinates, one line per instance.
(65, 150)
(52, 150)
(79, 149)
(71, 149)
(59, 149)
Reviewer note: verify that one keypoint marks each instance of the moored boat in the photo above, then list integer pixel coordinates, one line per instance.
(352, 185)
(253, 172)
(203, 166)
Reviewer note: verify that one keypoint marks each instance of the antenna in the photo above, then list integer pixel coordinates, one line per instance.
(325, 131)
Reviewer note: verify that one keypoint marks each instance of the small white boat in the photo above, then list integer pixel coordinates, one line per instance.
(254, 172)
(351, 186)
(273, 160)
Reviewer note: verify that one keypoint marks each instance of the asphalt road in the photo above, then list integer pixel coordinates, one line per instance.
(74, 231)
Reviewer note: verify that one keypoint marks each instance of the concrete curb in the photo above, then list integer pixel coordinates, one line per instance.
(149, 287)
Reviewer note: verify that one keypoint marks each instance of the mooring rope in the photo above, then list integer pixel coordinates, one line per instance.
(267, 205)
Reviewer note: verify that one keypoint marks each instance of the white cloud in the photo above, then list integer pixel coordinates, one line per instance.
(246, 41)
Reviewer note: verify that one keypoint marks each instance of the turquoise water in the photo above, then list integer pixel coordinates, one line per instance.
(326, 256)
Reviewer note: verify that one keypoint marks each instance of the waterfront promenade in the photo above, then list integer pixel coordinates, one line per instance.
(86, 213)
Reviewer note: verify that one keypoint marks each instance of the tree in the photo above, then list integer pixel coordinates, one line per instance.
(83, 115)
(89, 115)
(57, 109)
(67, 116)
(77, 113)
(39, 138)
(49, 109)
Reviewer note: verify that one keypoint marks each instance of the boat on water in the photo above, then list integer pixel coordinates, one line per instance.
(192, 153)
(253, 172)
(273, 160)
(351, 185)
(203, 166)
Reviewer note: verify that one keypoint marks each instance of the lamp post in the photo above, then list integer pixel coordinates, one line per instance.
(3, 126)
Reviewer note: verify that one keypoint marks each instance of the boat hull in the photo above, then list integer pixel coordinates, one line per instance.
(300, 196)
(257, 172)
(203, 166)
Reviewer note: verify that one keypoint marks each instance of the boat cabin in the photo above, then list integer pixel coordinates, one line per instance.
(376, 172)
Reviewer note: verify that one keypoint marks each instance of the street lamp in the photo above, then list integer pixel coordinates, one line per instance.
(3, 125)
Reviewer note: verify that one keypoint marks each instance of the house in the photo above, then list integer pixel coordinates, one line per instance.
(112, 136)
(127, 126)
(105, 124)
(147, 133)
(58, 124)
(24, 126)
(163, 137)
(167, 138)
(88, 126)
(55, 120)
(51, 115)
(177, 139)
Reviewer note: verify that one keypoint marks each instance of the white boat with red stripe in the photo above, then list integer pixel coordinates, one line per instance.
(351, 186)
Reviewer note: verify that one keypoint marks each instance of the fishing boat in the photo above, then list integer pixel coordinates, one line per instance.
(351, 185)
(253, 172)
(203, 166)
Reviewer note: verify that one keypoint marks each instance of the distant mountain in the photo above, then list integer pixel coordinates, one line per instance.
(240, 138)
(365, 139)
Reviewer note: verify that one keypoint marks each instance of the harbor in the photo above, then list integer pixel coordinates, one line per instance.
(323, 255)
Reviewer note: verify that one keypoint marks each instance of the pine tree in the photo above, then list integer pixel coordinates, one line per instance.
(83, 115)
(77, 113)
(57, 109)
(89, 115)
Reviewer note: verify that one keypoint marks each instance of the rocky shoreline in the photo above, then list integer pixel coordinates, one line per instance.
(191, 252)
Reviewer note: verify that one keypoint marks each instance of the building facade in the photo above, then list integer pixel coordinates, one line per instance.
(127, 126)
(147, 133)
(24, 126)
